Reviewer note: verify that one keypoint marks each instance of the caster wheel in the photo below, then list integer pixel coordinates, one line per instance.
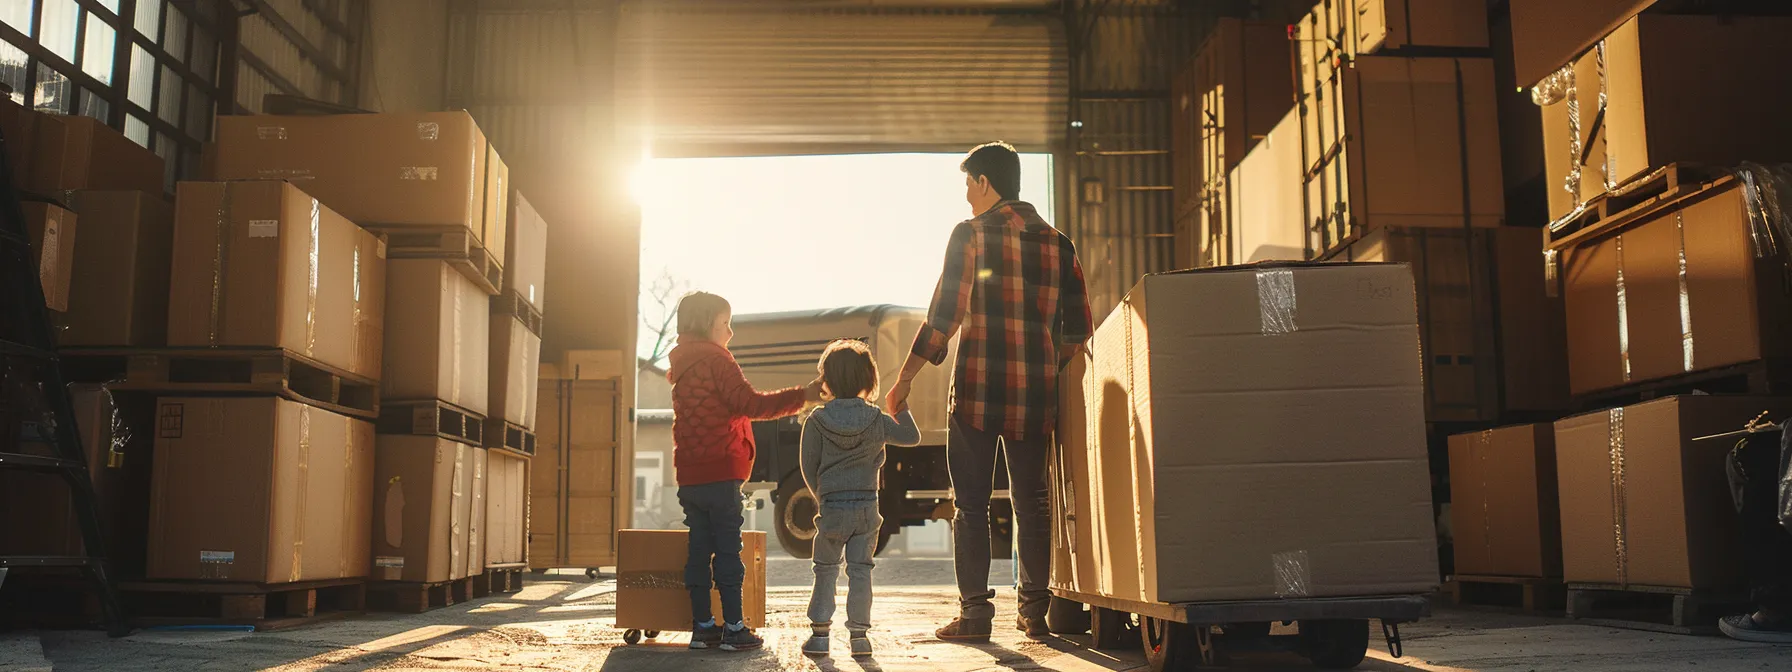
(539, 572)
(591, 573)
(1335, 645)
(1109, 628)
(631, 637)
(1172, 646)
(653, 634)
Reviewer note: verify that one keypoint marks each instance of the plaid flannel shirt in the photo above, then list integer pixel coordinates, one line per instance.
(1012, 282)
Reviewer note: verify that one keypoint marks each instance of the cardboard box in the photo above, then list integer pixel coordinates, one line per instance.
(580, 484)
(495, 215)
(650, 592)
(437, 335)
(99, 158)
(1642, 503)
(1675, 89)
(526, 256)
(130, 234)
(506, 508)
(587, 365)
(1233, 94)
(1263, 221)
(1194, 378)
(1503, 504)
(1365, 27)
(1404, 142)
(52, 231)
(277, 270)
(1493, 340)
(1546, 34)
(424, 527)
(259, 489)
(396, 169)
(21, 128)
(1695, 296)
(515, 371)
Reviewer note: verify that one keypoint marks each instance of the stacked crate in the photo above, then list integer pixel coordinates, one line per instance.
(580, 482)
(510, 431)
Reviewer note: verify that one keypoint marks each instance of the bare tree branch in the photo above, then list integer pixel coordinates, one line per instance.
(665, 292)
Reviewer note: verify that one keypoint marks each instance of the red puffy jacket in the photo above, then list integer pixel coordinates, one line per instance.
(713, 409)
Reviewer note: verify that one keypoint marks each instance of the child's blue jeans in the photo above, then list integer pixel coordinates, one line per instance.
(845, 530)
(712, 511)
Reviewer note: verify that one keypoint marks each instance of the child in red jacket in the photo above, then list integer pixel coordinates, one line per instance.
(713, 408)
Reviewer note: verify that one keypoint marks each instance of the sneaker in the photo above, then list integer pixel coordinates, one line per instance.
(1034, 627)
(816, 647)
(965, 630)
(1745, 628)
(740, 640)
(861, 645)
(706, 636)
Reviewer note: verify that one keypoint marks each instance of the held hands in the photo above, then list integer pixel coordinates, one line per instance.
(897, 400)
(812, 391)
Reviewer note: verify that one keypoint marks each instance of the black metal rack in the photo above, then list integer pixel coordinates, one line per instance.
(26, 334)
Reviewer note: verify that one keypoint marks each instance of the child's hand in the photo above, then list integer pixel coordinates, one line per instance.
(812, 393)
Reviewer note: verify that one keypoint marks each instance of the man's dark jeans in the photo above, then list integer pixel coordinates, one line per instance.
(712, 511)
(971, 461)
(1766, 544)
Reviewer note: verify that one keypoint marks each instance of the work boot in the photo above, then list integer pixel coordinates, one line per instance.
(861, 645)
(963, 629)
(740, 640)
(706, 636)
(1033, 626)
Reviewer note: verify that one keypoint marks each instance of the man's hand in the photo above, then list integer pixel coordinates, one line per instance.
(897, 399)
(812, 393)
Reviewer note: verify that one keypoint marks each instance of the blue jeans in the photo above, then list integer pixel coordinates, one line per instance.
(712, 511)
(845, 530)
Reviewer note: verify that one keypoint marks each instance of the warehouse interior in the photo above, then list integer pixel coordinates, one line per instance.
(300, 405)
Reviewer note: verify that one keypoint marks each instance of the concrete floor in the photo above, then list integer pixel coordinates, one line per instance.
(563, 623)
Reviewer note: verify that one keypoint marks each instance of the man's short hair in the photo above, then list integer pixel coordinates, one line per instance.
(697, 313)
(848, 369)
(998, 162)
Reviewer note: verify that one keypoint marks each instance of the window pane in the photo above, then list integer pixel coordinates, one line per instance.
(205, 55)
(18, 15)
(149, 19)
(199, 112)
(97, 49)
(174, 34)
(110, 4)
(168, 108)
(143, 76)
(53, 90)
(60, 21)
(165, 148)
(137, 130)
(12, 70)
(92, 105)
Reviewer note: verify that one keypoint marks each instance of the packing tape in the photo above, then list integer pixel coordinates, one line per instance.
(1620, 495)
(1765, 191)
(311, 282)
(1552, 274)
(1686, 344)
(1484, 448)
(1572, 184)
(650, 580)
(351, 506)
(456, 285)
(298, 544)
(1276, 300)
(457, 520)
(1293, 575)
(220, 264)
(1605, 165)
(359, 319)
(1623, 313)
(120, 434)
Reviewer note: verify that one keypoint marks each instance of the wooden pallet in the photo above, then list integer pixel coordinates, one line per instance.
(501, 434)
(1527, 594)
(226, 371)
(266, 607)
(499, 580)
(1681, 611)
(432, 417)
(1759, 378)
(512, 303)
(454, 244)
(416, 598)
(1634, 201)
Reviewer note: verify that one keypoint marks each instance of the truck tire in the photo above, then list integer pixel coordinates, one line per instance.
(1066, 617)
(795, 517)
(1172, 646)
(1335, 645)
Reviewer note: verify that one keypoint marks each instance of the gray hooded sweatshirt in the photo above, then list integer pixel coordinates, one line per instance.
(843, 447)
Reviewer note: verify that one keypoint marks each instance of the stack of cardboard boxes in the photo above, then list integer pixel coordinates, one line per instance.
(515, 387)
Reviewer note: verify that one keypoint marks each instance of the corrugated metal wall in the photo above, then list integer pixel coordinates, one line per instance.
(299, 47)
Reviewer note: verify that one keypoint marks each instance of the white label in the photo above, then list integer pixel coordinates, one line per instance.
(217, 557)
(389, 561)
(428, 130)
(531, 292)
(270, 132)
(264, 228)
(423, 173)
(380, 249)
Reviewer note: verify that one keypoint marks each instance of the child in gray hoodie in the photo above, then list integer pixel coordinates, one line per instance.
(843, 460)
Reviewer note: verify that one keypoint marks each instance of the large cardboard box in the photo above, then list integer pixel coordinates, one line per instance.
(130, 234)
(1194, 378)
(26, 133)
(1403, 142)
(1235, 92)
(394, 169)
(650, 592)
(506, 508)
(262, 264)
(1674, 89)
(1364, 27)
(1264, 221)
(425, 527)
(1494, 341)
(1676, 292)
(1643, 503)
(94, 156)
(1503, 504)
(259, 489)
(580, 484)
(52, 231)
(437, 335)
(515, 371)
(526, 260)
(1546, 34)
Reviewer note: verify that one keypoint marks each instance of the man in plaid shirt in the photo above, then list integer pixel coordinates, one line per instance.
(1013, 283)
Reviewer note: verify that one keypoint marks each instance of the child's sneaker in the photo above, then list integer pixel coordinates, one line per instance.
(861, 645)
(706, 636)
(816, 647)
(740, 640)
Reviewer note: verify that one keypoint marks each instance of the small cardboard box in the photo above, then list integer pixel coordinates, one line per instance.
(1643, 503)
(259, 489)
(650, 592)
(262, 264)
(437, 335)
(52, 231)
(1364, 27)
(130, 234)
(506, 508)
(1503, 504)
(429, 503)
(515, 371)
(1549, 33)
(1263, 221)
(97, 157)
